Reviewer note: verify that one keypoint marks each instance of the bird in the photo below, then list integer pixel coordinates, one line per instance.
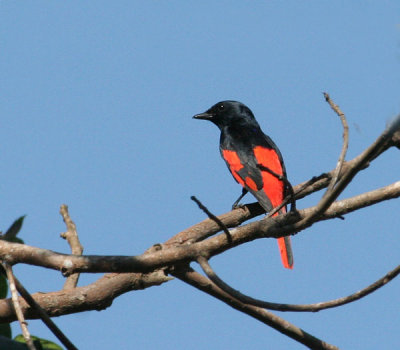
(253, 159)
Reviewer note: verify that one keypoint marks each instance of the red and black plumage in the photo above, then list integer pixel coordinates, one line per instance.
(253, 159)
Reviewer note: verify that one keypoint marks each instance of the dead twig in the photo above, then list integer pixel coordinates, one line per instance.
(345, 145)
(213, 217)
(363, 160)
(44, 317)
(203, 262)
(202, 283)
(71, 235)
(17, 307)
(330, 195)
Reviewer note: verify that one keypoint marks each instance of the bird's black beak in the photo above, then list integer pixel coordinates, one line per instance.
(205, 116)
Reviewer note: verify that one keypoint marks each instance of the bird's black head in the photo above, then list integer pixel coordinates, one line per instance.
(228, 114)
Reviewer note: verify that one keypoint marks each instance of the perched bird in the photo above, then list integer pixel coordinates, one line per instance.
(253, 159)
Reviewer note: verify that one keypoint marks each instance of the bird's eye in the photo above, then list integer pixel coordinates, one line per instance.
(221, 107)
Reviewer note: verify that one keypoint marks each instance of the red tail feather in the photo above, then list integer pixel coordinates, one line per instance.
(285, 248)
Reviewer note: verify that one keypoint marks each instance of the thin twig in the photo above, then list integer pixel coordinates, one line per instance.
(330, 195)
(202, 283)
(17, 306)
(44, 317)
(213, 217)
(295, 307)
(345, 145)
(361, 161)
(71, 235)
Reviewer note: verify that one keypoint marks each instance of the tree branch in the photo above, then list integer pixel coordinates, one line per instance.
(212, 217)
(345, 146)
(71, 235)
(172, 255)
(361, 162)
(44, 317)
(202, 283)
(95, 296)
(17, 307)
(295, 307)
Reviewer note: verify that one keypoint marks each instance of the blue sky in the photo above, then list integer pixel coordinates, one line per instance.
(96, 103)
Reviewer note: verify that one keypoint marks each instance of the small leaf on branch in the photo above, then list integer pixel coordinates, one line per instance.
(44, 343)
(14, 229)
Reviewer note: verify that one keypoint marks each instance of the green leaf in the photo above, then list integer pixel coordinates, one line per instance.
(46, 344)
(14, 228)
(5, 330)
(3, 287)
(20, 338)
